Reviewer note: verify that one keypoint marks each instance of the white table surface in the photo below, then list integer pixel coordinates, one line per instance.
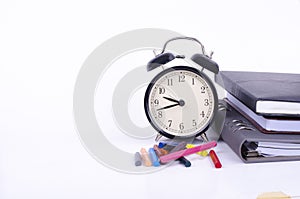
(42, 47)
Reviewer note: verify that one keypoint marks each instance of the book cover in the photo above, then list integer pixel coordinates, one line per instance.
(269, 94)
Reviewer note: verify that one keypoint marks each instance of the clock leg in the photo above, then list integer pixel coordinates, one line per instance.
(204, 137)
(158, 136)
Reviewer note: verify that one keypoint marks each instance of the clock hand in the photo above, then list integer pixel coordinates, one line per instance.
(179, 102)
(171, 99)
(166, 107)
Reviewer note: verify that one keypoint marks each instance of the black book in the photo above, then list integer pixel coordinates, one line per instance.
(267, 94)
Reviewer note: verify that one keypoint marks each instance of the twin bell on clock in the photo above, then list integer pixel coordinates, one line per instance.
(181, 101)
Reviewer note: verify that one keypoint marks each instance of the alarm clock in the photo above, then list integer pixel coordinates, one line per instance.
(181, 101)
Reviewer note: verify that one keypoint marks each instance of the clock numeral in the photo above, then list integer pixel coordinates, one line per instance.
(170, 82)
(159, 114)
(206, 103)
(170, 123)
(193, 81)
(202, 89)
(156, 102)
(181, 78)
(194, 123)
(181, 126)
(202, 114)
(161, 90)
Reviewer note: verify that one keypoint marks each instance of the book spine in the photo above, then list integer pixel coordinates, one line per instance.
(241, 94)
(233, 139)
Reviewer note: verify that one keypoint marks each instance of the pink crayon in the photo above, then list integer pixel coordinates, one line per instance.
(185, 152)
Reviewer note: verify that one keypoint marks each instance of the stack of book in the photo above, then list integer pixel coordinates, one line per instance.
(263, 115)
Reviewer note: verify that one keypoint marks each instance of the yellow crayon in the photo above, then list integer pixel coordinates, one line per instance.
(202, 153)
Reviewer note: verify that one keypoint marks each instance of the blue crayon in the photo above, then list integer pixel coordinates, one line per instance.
(171, 143)
(161, 145)
(153, 157)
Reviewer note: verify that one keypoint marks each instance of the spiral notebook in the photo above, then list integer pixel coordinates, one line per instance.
(247, 141)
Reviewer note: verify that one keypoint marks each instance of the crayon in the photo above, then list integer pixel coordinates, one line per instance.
(137, 159)
(215, 159)
(157, 151)
(153, 157)
(202, 153)
(184, 161)
(185, 152)
(145, 157)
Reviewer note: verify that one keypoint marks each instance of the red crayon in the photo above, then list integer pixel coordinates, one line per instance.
(215, 159)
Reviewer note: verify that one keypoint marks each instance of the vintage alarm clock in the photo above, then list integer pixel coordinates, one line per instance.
(181, 101)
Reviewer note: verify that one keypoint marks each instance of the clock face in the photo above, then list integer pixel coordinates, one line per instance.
(180, 101)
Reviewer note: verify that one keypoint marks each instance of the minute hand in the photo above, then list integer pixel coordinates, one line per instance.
(166, 107)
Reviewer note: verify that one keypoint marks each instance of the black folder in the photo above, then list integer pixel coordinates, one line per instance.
(243, 138)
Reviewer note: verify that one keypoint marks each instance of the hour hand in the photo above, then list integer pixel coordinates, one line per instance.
(171, 99)
(179, 102)
(166, 107)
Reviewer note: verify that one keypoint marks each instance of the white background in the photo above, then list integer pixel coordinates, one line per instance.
(42, 47)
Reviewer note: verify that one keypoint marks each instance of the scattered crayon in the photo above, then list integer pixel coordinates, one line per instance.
(202, 153)
(181, 160)
(145, 157)
(153, 157)
(172, 143)
(137, 159)
(161, 145)
(157, 150)
(215, 159)
(184, 161)
(185, 152)
(163, 151)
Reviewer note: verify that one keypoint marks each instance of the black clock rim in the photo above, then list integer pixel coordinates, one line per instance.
(158, 76)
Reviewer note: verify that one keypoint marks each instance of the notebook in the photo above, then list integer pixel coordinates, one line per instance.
(266, 124)
(244, 138)
(268, 94)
